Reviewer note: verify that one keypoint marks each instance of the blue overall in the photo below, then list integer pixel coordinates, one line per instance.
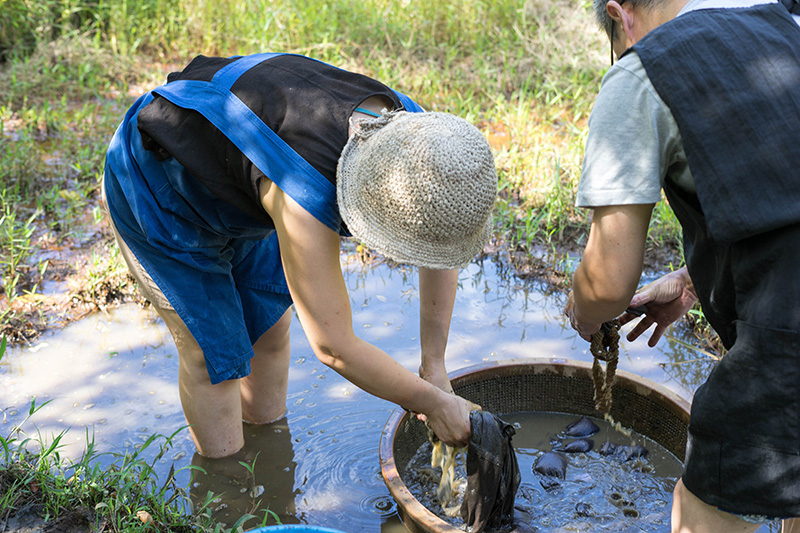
(218, 267)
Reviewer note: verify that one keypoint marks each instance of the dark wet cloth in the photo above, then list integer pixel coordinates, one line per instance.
(743, 450)
(492, 474)
(741, 235)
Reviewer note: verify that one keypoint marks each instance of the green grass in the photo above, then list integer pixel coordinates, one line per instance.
(527, 68)
(125, 496)
(524, 71)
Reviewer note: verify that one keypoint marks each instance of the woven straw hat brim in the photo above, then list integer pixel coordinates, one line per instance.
(419, 188)
(405, 249)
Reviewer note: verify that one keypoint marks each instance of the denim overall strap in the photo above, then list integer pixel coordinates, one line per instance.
(186, 239)
(227, 75)
(408, 104)
(265, 149)
(262, 146)
(219, 272)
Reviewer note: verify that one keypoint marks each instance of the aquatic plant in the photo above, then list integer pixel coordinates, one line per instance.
(126, 495)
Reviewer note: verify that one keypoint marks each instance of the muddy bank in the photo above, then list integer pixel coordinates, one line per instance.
(66, 278)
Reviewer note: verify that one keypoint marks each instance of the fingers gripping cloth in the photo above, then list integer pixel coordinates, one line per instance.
(605, 347)
(418, 188)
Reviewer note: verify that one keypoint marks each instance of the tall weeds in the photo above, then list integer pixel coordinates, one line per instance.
(528, 69)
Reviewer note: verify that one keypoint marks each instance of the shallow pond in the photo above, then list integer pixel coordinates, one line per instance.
(115, 376)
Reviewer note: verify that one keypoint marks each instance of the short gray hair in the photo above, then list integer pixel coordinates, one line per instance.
(604, 20)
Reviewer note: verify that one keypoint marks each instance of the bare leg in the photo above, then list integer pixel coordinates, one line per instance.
(264, 390)
(791, 525)
(213, 412)
(692, 515)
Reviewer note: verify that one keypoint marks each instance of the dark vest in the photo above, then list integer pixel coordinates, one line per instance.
(731, 78)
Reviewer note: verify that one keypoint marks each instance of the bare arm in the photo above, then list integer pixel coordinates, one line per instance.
(437, 290)
(609, 272)
(310, 255)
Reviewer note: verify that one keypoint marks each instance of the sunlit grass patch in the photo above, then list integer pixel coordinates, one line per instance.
(524, 71)
(124, 496)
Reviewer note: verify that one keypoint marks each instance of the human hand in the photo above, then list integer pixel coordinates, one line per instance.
(664, 301)
(450, 421)
(584, 329)
(436, 376)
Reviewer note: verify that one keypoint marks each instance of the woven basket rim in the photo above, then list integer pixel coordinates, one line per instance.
(418, 518)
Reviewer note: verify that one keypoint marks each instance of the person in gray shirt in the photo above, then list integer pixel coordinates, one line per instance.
(703, 104)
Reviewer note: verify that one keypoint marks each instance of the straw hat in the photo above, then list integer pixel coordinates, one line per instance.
(418, 188)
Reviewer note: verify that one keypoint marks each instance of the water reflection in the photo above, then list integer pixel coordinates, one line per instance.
(686, 363)
(258, 478)
(116, 376)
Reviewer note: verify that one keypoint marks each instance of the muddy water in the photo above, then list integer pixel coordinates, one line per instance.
(115, 376)
(598, 492)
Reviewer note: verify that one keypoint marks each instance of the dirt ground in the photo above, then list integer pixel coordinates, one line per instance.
(29, 520)
(72, 286)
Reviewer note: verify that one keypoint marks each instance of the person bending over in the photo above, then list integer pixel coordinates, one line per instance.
(229, 188)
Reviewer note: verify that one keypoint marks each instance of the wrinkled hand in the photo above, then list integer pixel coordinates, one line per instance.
(664, 301)
(584, 329)
(449, 420)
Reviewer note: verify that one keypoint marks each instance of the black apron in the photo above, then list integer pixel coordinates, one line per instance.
(729, 76)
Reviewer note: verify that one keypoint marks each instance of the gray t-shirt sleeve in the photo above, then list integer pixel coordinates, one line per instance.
(633, 141)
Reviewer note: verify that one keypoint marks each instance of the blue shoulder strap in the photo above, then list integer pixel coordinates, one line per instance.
(227, 75)
(262, 146)
(792, 5)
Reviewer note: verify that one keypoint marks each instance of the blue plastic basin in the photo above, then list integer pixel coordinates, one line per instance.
(296, 528)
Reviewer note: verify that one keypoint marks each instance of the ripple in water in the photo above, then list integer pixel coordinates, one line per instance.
(598, 493)
(336, 475)
(380, 504)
